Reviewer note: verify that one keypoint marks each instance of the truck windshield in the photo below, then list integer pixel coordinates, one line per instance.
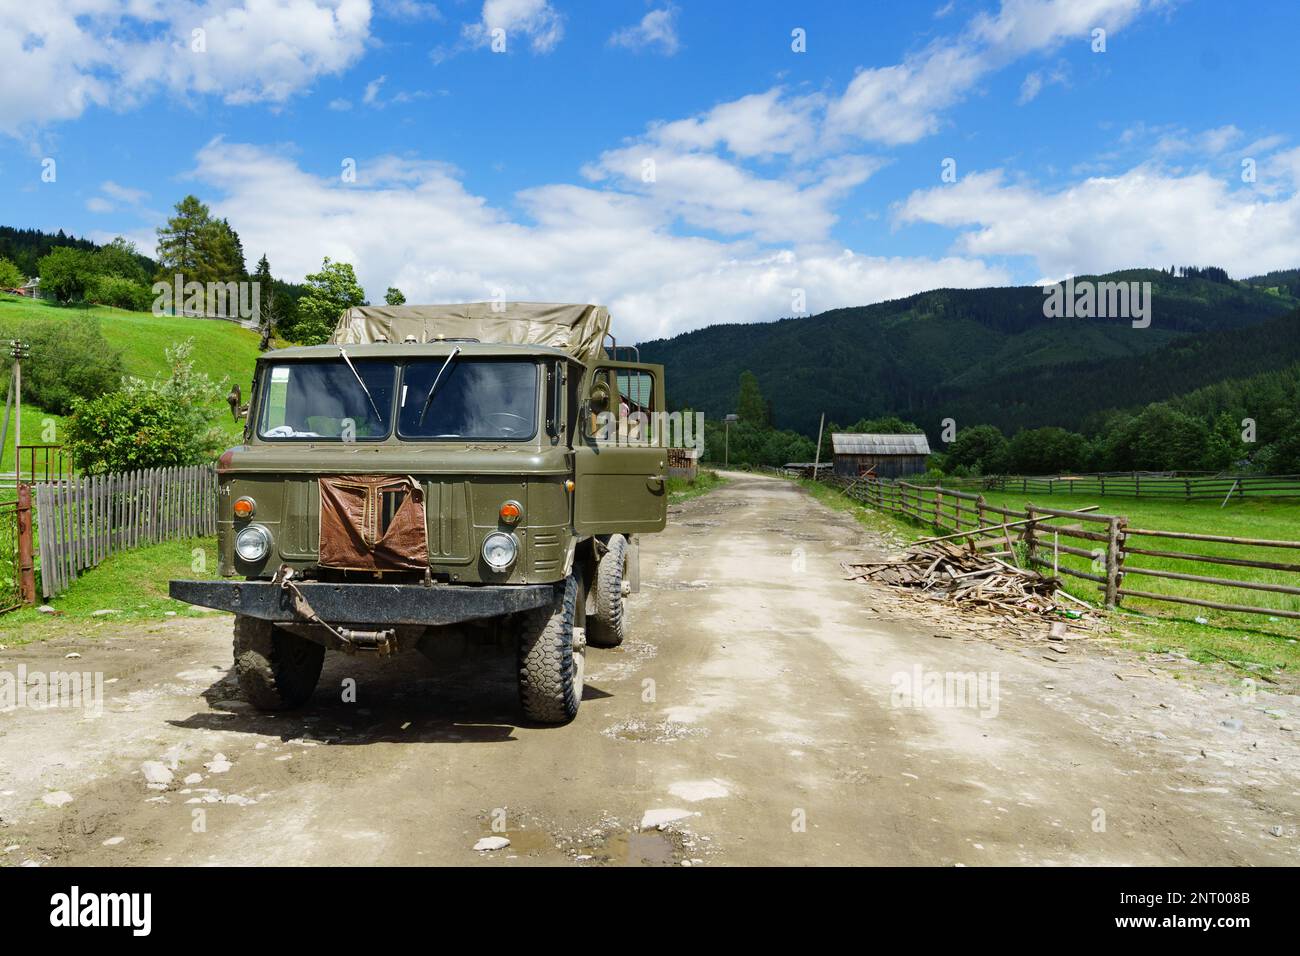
(323, 401)
(476, 399)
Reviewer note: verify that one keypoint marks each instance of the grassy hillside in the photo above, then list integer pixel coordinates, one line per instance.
(986, 355)
(221, 349)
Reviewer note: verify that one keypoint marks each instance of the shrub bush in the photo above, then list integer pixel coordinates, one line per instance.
(149, 424)
(70, 359)
(119, 292)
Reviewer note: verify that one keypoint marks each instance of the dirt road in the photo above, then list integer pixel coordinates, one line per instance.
(760, 712)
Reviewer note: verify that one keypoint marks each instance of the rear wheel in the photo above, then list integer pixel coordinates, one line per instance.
(607, 602)
(277, 670)
(551, 658)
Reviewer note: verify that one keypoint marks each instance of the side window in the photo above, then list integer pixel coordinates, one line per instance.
(637, 389)
(625, 416)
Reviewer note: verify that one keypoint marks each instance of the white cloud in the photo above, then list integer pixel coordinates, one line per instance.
(535, 19)
(1144, 217)
(124, 194)
(413, 224)
(904, 102)
(708, 192)
(99, 204)
(754, 125)
(372, 90)
(340, 105)
(62, 58)
(658, 28)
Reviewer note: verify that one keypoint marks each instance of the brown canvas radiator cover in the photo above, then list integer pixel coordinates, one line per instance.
(372, 523)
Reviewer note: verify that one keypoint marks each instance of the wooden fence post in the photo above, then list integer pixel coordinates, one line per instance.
(26, 572)
(1114, 559)
(1031, 536)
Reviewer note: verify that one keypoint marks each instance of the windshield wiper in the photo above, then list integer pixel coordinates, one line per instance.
(434, 387)
(360, 382)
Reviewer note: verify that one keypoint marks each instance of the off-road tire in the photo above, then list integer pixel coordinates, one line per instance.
(277, 670)
(551, 665)
(607, 607)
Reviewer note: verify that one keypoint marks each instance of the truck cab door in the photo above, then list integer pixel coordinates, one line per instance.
(620, 470)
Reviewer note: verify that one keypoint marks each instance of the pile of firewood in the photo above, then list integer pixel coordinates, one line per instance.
(964, 576)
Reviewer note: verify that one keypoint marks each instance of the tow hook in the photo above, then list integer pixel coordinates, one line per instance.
(381, 642)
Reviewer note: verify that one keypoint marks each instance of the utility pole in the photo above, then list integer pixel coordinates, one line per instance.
(726, 438)
(817, 461)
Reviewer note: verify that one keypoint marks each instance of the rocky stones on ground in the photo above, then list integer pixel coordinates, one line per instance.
(218, 764)
(490, 843)
(156, 773)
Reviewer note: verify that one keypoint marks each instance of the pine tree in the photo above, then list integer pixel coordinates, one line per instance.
(750, 405)
(184, 244)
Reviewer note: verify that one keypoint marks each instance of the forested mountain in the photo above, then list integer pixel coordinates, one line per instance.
(989, 355)
(25, 247)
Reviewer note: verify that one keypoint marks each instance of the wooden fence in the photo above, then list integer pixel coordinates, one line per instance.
(81, 521)
(1098, 548)
(1138, 484)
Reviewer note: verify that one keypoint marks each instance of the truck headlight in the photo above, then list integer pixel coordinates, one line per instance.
(252, 543)
(500, 550)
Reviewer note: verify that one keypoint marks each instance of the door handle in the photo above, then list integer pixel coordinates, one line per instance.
(655, 483)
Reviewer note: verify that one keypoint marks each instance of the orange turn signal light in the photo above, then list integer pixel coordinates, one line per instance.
(511, 512)
(244, 507)
(569, 485)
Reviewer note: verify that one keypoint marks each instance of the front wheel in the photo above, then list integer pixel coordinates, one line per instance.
(551, 659)
(277, 670)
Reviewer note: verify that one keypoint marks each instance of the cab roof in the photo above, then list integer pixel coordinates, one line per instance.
(409, 350)
(575, 329)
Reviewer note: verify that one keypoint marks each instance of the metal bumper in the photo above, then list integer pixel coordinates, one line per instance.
(365, 604)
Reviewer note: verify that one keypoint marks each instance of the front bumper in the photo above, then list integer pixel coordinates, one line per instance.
(366, 604)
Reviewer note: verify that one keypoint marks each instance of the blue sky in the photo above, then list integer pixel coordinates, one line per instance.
(678, 161)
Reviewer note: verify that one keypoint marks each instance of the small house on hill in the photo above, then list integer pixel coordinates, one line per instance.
(885, 456)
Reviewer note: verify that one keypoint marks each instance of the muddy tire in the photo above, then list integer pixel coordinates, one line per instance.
(277, 670)
(607, 607)
(551, 662)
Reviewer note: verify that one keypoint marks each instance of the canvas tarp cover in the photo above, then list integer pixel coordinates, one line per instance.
(577, 329)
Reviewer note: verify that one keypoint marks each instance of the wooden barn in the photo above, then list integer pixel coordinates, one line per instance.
(885, 456)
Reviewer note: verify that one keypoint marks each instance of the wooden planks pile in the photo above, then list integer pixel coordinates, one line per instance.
(965, 576)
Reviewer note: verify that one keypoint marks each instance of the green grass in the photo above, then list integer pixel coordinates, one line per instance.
(683, 489)
(1248, 639)
(132, 582)
(1259, 518)
(221, 349)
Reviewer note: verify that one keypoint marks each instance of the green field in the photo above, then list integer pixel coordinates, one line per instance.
(1262, 519)
(221, 349)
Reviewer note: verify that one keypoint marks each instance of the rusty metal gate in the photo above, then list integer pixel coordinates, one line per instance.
(17, 581)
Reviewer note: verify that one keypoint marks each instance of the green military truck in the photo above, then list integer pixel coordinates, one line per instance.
(434, 469)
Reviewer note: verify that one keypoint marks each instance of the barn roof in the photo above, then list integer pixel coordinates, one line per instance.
(853, 443)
